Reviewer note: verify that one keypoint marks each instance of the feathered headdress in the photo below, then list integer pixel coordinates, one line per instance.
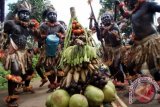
(24, 6)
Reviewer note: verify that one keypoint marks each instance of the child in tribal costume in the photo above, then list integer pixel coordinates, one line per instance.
(18, 59)
(146, 47)
(50, 27)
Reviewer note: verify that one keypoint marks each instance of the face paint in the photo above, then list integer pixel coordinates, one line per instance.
(106, 19)
(52, 17)
(24, 16)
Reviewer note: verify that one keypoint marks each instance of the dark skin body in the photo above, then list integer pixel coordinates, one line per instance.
(51, 27)
(111, 35)
(19, 31)
(57, 28)
(142, 19)
(47, 28)
(11, 27)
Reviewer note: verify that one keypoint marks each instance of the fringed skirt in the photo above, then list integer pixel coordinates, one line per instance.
(111, 54)
(146, 50)
(48, 62)
(50, 65)
(23, 61)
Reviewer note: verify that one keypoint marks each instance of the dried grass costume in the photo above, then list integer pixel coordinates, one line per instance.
(49, 62)
(112, 47)
(146, 47)
(17, 58)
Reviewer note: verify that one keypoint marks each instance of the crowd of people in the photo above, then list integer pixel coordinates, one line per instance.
(19, 53)
(130, 47)
(127, 45)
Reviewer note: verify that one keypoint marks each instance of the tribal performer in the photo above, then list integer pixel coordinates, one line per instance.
(146, 47)
(112, 48)
(52, 33)
(18, 59)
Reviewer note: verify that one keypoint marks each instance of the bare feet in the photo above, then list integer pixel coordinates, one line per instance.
(43, 82)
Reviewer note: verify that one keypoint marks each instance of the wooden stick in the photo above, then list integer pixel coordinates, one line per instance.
(114, 104)
(120, 101)
(101, 105)
(73, 12)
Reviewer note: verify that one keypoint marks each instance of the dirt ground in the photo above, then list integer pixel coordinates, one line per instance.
(27, 99)
(38, 99)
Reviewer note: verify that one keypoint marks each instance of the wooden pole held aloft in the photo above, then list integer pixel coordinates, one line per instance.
(73, 12)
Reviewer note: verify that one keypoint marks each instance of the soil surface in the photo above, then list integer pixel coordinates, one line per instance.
(39, 97)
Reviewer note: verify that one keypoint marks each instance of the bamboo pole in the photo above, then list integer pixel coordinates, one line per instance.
(113, 104)
(120, 101)
(101, 105)
(73, 12)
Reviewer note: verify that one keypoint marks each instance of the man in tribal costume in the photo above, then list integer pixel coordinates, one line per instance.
(18, 59)
(112, 48)
(145, 49)
(49, 27)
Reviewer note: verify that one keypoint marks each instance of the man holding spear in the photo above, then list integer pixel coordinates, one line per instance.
(109, 35)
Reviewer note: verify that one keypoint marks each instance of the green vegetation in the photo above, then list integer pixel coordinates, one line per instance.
(3, 73)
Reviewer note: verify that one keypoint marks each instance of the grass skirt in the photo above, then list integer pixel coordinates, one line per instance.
(47, 61)
(24, 62)
(111, 54)
(146, 50)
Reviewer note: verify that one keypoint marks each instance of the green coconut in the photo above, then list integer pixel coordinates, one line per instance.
(78, 100)
(48, 101)
(94, 95)
(60, 98)
(110, 83)
(109, 93)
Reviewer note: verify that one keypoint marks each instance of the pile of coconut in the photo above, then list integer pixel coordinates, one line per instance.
(92, 97)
